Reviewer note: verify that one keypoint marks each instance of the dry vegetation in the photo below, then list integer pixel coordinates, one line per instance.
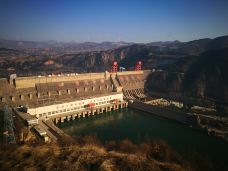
(89, 154)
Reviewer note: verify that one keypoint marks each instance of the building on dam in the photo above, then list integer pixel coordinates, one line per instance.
(41, 101)
(69, 96)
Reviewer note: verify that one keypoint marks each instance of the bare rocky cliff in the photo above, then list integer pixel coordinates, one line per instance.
(201, 77)
(197, 68)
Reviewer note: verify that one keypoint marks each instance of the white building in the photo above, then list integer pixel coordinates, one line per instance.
(80, 104)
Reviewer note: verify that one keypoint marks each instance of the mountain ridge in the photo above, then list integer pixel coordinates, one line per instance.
(186, 66)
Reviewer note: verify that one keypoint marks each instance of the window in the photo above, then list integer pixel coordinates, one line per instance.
(49, 113)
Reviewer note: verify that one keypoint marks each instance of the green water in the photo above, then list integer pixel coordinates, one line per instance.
(140, 126)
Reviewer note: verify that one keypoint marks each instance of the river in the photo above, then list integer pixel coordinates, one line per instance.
(140, 126)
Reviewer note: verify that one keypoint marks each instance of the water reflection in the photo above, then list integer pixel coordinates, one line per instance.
(96, 120)
(139, 126)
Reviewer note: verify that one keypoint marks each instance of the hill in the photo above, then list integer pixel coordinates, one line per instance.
(197, 68)
(89, 156)
(203, 76)
(61, 46)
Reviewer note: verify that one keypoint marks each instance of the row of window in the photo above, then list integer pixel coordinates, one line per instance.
(82, 103)
(38, 94)
(70, 109)
(85, 89)
(60, 111)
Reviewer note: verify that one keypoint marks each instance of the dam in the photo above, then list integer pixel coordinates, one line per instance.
(43, 101)
(65, 97)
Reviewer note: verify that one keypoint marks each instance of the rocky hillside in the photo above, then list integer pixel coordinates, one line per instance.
(153, 55)
(197, 68)
(126, 56)
(203, 76)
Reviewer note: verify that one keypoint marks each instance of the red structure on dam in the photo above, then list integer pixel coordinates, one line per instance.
(138, 66)
(114, 66)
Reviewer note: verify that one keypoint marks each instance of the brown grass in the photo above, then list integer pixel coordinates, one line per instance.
(89, 154)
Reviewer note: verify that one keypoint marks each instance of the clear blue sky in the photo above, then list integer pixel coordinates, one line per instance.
(116, 20)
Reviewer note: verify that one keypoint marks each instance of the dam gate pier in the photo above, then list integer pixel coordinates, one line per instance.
(88, 112)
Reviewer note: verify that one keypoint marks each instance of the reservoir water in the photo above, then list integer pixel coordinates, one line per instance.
(140, 126)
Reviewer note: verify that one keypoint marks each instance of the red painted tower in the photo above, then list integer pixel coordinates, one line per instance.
(138, 66)
(114, 66)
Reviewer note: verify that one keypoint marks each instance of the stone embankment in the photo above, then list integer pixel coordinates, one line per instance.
(184, 118)
(210, 124)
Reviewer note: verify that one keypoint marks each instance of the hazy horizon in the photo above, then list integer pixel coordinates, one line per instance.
(112, 21)
(73, 41)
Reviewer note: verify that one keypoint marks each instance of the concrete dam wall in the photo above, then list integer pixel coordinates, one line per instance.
(44, 90)
(65, 97)
(68, 96)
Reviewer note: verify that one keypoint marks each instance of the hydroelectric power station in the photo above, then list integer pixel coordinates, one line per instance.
(39, 100)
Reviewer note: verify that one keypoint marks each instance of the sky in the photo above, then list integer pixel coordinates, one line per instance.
(138, 21)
